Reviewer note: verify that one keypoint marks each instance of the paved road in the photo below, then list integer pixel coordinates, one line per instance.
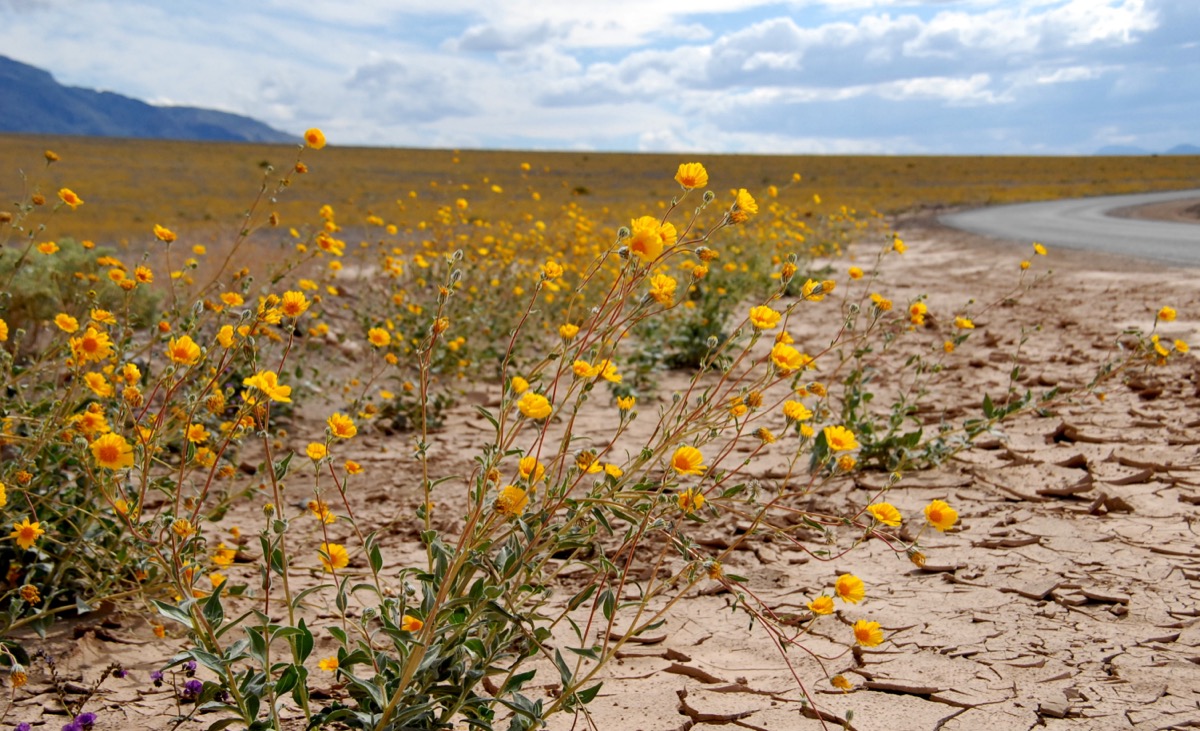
(1086, 223)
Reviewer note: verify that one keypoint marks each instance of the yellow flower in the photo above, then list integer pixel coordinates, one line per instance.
(314, 138)
(648, 238)
(821, 605)
(690, 500)
(333, 556)
(880, 302)
(69, 197)
(815, 291)
(183, 350)
(224, 555)
(916, 313)
(839, 438)
(30, 594)
(321, 511)
(512, 501)
(519, 385)
(112, 451)
(763, 317)
(885, 513)
(182, 527)
(625, 403)
(898, 245)
(329, 664)
(846, 463)
(409, 623)
(583, 369)
(856, 273)
(233, 299)
(744, 206)
(531, 469)
(1181, 346)
(48, 247)
(197, 434)
(98, 384)
(26, 533)
(534, 405)
(840, 682)
(1039, 249)
(568, 331)
(162, 233)
(612, 470)
(3, 495)
(379, 337)
(316, 451)
(1166, 314)
(342, 426)
(662, 289)
(850, 588)
(765, 435)
(268, 383)
(688, 460)
(963, 323)
(66, 323)
(788, 359)
(796, 411)
(353, 468)
(940, 515)
(3, 331)
(552, 270)
(691, 175)
(1025, 265)
(867, 633)
(225, 336)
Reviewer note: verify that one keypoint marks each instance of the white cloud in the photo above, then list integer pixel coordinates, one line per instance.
(759, 75)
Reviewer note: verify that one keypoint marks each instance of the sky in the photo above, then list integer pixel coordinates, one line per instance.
(756, 76)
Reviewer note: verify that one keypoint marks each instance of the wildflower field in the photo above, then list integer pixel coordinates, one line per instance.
(307, 437)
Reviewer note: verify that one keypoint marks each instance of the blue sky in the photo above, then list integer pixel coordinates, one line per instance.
(807, 76)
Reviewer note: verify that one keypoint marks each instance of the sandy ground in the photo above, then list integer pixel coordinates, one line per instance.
(1067, 598)
(1183, 211)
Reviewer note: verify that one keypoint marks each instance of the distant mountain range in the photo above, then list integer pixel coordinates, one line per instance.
(1131, 150)
(32, 101)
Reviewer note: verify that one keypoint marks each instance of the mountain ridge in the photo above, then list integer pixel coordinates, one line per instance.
(33, 101)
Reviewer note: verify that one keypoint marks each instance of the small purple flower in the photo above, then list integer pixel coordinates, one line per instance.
(191, 689)
(156, 677)
(120, 673)
(23, 726)
(86, 720)
(72, 726)
(189, 668)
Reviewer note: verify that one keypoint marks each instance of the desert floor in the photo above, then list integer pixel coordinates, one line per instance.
(1067, 598)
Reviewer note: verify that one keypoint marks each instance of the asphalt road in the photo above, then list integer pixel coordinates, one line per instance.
(1087, 224)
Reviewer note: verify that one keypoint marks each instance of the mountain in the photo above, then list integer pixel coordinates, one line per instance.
(1122, 150)
(1131, 150)
(32, 101)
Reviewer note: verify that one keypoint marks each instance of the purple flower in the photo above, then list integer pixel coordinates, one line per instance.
(72, 726)
(120, 673)
(191, 689)
(156, 677)
(86, 720)
(189, 668)
(23, 726)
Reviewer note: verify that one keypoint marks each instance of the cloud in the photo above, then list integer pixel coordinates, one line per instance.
(745, 75)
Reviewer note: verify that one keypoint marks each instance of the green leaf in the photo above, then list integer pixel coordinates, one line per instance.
(172, 612)
(281, 467)
(213, 612)
(589, 694)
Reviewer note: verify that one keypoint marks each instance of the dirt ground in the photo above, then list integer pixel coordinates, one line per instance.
(1067, 598)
